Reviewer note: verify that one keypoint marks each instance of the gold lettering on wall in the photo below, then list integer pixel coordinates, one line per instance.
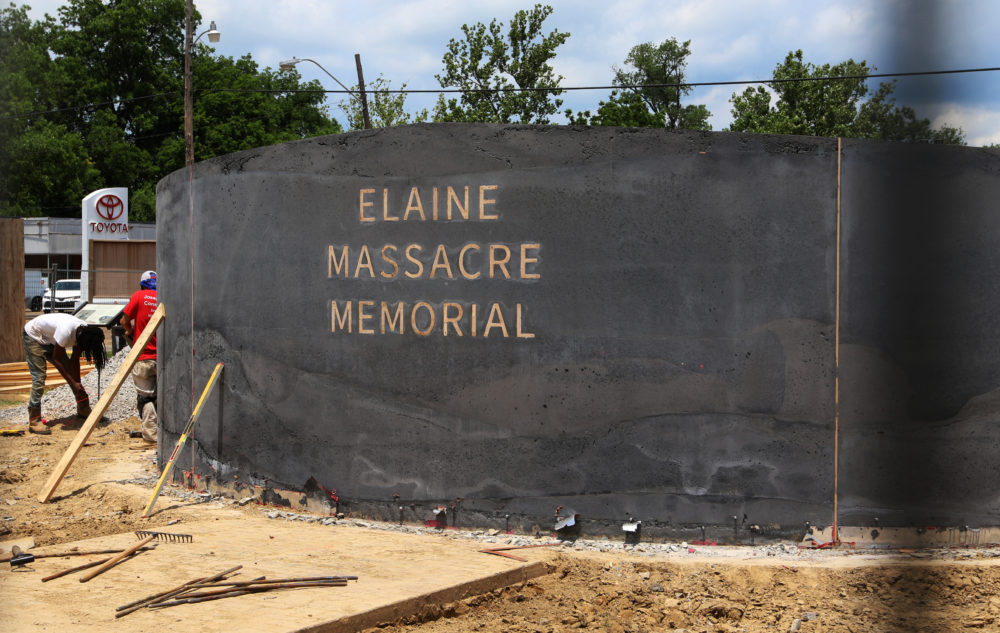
(385, 208)
(442, 262)
(525, 260)
(414, 204)
(394, 321)
(413, 318)
(483, 201)
(364, 316)
(389, 260)
(412, 258)
(499, 262)
(364, 262)
(339, 319)
(364, 204)
(335, 264)
(461, 261)
(464, 210)
(453, 317)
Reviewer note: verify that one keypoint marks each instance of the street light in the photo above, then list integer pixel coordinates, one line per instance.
(189, 41)
(289, 64)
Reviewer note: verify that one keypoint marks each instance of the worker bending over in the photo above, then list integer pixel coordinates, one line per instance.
(46, 338)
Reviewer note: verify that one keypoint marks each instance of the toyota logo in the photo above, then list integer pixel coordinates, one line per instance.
(110, 207)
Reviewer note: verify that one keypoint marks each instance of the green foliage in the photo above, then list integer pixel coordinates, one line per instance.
(385, 108)
(227, 121)
(839, 107)
(46, 172)
(620, 110)
(37, 158)
(652, 67)
(95, 100)
(649, 94)
(493, 66)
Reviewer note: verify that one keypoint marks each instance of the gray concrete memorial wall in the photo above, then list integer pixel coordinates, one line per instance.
(618, 323)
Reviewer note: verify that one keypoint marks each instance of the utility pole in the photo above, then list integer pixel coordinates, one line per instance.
(188, 88)
(364, 97)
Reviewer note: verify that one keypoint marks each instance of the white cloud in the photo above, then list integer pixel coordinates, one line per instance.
(980, 124)
(840, 22)
(740, 48)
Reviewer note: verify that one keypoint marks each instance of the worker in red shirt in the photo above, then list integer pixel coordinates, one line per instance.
(135, 316)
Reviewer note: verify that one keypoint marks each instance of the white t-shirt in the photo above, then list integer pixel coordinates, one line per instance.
(54, 329)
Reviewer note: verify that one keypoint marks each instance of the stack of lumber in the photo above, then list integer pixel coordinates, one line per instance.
(15, 377)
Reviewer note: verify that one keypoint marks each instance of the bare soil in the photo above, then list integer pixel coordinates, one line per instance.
(107, 488)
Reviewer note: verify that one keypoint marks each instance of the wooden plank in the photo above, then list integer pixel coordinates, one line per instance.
(21, 388)
(50, 372)
(16, 382)
(11, 288)
(98, 411)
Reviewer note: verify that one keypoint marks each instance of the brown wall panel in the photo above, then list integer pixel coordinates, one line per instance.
(117, 264)
(11, 289)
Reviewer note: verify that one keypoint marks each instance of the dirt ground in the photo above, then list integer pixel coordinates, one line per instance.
(108, 486)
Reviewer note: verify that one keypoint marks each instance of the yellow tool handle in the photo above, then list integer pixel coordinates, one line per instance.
(183, 438)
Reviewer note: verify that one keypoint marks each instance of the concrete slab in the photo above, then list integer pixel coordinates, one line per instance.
(397, 575)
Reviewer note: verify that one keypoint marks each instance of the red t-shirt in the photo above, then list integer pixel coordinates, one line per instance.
(141, 307)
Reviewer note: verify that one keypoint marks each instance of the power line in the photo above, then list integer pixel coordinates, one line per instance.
(686, 84)
(554, 89)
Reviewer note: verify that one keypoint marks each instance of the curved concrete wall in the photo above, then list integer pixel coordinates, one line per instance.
(627, 321)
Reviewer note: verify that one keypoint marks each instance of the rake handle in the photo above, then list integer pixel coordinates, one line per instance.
(114, 560)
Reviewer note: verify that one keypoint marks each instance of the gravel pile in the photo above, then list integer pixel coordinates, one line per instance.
(59, 402)
(785, 551)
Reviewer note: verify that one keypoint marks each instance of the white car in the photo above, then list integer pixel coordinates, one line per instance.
(67, 296)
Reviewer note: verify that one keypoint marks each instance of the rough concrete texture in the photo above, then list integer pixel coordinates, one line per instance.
(654, 336)
(920, 388)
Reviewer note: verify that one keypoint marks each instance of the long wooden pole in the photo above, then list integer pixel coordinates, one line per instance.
(100, 561)
(102, 404)
(183, 438)
(108, 564)
(364, 97)
(125, 609)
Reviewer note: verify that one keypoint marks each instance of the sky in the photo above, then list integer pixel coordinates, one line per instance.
(404, 41)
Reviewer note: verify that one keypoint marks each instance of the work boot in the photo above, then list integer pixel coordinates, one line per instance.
(35, 422)
(82, 410)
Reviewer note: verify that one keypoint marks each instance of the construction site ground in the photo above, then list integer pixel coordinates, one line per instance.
(421, 580)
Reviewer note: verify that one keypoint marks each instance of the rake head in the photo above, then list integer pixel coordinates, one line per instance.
(165, 536)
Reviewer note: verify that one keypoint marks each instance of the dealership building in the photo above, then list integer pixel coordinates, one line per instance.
(102, 249)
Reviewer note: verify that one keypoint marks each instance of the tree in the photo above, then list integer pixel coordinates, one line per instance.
(46, 172)
(650, 93)
(386, 108)
(834, 107)
(95, 99)
(654, 69)
(620, 110)
(40, 160)
(491, 68)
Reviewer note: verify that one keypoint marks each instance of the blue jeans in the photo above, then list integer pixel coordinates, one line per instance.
(36, 355)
